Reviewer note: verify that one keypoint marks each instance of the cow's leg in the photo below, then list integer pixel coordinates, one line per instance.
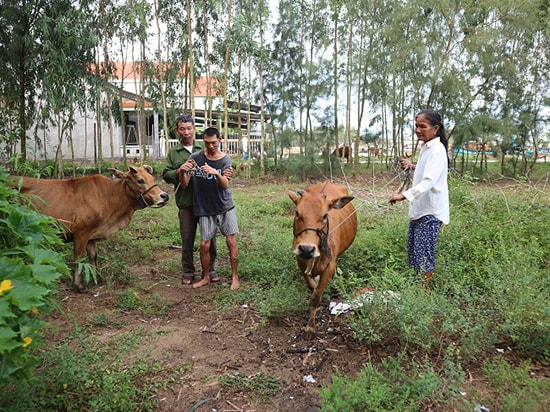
(92, 252)
(316, 297)
(80, 247)
(311, 282)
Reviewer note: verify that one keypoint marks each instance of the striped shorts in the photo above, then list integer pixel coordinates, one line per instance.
(421, 243)
(226, 222)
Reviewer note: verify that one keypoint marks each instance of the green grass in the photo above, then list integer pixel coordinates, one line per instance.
(491, 289)
(84, 378)
(259, 385)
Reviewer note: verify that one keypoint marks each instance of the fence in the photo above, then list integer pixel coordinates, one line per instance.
(252, 146)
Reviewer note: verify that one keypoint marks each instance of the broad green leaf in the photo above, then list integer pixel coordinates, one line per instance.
(25, 295)
(5, 310)
(8, 340)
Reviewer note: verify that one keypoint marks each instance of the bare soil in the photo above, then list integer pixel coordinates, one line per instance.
(194, 336)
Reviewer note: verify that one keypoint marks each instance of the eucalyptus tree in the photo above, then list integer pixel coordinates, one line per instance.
(45, 51)
(161, 69)
(240, 80)
(262, 64)
(301, 43)
(508, 45)
(362, 63)
(337, 34)
(286, 72)
(66, 52)
(177, 46)
(123, 35)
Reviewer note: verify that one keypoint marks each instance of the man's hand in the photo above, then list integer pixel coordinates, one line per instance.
(186, 167)
(228, 173)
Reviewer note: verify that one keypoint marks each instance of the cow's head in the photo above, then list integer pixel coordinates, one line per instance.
(140, 181)
(311, 222)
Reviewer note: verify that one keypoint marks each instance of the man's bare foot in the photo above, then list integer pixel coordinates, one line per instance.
(203, 282)
(235, 284)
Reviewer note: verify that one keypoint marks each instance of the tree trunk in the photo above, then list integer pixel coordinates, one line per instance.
(226, 74)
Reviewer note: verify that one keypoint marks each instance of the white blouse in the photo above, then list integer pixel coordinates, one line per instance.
(429, 194)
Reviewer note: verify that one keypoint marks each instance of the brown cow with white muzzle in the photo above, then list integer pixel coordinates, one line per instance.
(95, 207)
(325, 225)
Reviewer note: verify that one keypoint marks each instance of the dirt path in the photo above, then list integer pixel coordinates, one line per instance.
(193, 336)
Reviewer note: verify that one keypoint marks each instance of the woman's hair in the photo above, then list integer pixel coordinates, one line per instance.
(435, 120)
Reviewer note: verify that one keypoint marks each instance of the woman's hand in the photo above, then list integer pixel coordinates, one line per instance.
(407, 163)
(397, 197)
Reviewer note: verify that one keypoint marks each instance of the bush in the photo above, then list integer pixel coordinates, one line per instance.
(29, 269)
(391, 387)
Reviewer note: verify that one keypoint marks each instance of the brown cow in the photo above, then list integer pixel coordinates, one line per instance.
(95, 207)
(325, 225)
(344, 152)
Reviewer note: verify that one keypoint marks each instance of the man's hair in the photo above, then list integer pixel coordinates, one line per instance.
(212, 131)
(184, 118)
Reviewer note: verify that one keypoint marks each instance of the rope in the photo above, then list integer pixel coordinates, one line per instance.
(362, 195)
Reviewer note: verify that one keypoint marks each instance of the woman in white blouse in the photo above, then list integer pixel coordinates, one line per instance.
(429, 194)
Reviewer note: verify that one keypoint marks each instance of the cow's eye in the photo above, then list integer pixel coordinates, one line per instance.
(141, 181)
(297, 215)
(325, 216)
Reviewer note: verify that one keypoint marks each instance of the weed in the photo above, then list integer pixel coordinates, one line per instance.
(515, 388)
(82, 373)
(127, 300)
(390, 387)
(261, 386)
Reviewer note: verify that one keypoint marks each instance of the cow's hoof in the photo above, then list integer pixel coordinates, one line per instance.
(309, 333)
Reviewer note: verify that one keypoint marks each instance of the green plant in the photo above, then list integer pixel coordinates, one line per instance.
(262, 386)
(128, 300)
(514, 388)
(29, 269)
(389, 387)
(82, 373)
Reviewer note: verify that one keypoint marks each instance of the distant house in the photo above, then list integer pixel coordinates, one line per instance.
(88, 134)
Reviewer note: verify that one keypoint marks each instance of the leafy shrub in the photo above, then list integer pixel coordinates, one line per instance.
(514, 388)
(29, 269)
(391, 387)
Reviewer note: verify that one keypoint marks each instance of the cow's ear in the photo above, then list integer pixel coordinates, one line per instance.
(148, 168)
(133, 170)
(341, 202)
(117, 174)
(295, 196)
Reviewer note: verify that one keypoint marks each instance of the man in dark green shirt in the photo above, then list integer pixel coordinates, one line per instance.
(172, 173)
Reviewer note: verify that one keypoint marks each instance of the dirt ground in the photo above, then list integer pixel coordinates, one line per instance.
(197, 343)
(195, 332)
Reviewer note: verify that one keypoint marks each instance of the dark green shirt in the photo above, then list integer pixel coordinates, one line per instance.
(177, 156)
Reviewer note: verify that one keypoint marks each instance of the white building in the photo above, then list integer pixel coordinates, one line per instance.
(89, 135)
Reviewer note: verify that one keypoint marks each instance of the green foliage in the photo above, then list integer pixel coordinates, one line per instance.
(261, 386)
(396, 385)
(29, 269)
(514, 388)
(489, 287)
(131, 300)
(83, 373)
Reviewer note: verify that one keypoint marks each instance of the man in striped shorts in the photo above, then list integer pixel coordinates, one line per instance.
(213, 202)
